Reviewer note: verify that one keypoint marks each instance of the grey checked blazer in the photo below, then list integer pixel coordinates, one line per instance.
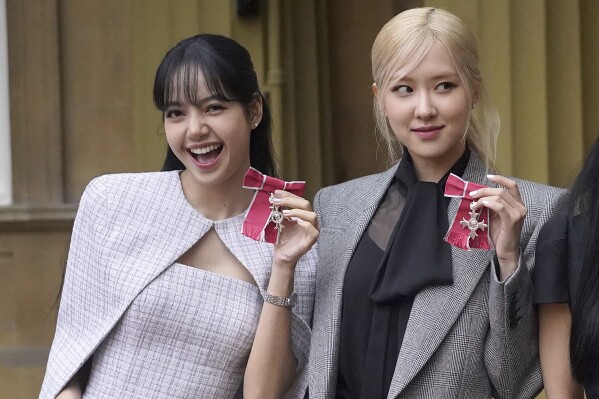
(129, 229)
(476, 338)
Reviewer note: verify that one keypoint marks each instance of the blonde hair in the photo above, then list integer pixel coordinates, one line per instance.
(402, 44)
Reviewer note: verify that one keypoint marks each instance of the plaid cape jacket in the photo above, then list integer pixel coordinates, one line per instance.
(129, 228)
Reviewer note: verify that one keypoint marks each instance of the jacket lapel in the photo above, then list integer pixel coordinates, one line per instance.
(436, 309)
(364, 203)
(336, 246)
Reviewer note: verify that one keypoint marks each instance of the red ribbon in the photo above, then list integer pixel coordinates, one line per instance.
(459, 234)
(257, 224)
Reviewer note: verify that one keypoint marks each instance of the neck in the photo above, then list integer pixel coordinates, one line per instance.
(433, 169)
(430, 171)
(217, 202)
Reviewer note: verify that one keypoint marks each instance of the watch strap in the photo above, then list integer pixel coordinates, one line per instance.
(285, 302)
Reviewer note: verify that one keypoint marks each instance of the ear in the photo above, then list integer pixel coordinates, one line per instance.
(474, 100)
(375, 90)
(255, 110)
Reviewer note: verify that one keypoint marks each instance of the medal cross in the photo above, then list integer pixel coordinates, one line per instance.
(473, 224)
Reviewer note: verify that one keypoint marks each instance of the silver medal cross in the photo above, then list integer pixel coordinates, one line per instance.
(473, 224)
(277, 218)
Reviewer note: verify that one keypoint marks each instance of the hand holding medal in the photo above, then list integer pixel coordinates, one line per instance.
(278, 206)
(469, 229)
(474, 225)
(507, 218)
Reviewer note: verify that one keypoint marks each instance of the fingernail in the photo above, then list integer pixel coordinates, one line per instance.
(485, 202)
(286, 212)
(473, 193)
(490, 176)
(275, 200)
(295, 219)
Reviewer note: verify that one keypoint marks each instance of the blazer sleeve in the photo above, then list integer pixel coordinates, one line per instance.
(318, 207)
(511, 354)
(301, 322)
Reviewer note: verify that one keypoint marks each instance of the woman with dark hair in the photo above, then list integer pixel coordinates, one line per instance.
(163, 296)
(567, 290)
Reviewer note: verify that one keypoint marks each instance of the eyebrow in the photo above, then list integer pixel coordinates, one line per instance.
(440, 76)
(202, 101)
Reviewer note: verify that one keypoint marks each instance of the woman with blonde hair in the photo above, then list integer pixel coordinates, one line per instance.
(423, 287)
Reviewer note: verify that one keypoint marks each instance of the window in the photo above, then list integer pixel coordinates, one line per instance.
(5, 159)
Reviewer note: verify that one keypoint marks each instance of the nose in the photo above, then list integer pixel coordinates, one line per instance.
(197, 126)
(425, 109)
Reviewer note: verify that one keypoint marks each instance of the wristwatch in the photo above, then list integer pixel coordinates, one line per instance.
(286, 302)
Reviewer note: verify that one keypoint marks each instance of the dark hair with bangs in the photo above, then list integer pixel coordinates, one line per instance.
(583, 206)
(229, 75)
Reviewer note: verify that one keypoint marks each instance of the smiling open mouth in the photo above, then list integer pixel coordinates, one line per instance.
(206, 154)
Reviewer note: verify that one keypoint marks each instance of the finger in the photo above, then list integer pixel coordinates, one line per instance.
(292, 201)
(303, 215)
(284, 194)
(309, 228)
(509, 202)
(307, 238)
(505, 211)
(510, 185)
(507, 234)
(511, 197)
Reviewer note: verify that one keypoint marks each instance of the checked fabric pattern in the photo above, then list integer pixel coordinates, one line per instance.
(129, 231)
(476, 338)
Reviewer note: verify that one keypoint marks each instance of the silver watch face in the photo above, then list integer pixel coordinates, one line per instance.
(291, 300)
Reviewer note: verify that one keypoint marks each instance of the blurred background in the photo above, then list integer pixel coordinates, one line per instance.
(76, 82)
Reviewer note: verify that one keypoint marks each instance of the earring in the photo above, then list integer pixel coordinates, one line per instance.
(255, 125)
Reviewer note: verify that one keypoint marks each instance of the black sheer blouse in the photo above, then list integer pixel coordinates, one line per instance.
(401, 252)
